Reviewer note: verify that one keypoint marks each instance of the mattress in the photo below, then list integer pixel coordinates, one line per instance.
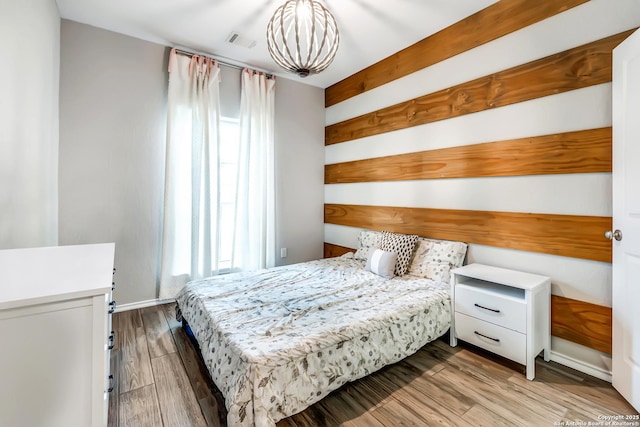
(278, 340)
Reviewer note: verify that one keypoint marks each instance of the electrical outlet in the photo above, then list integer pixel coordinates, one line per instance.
(283, 252)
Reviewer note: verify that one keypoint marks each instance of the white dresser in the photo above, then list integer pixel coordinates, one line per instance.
(503, 311)
(55, 335)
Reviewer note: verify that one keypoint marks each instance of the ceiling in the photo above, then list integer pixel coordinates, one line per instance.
(370, 30)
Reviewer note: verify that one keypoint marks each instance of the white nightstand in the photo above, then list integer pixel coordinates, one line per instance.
(504, 311)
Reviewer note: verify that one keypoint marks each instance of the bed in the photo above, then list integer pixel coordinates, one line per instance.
(278, 340)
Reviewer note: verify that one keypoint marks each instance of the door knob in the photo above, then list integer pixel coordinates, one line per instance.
(613, 235)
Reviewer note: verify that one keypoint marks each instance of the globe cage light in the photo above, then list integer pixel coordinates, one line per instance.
(302, 37)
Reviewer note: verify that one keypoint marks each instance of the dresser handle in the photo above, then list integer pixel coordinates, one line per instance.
(112, 340)
(111, 383)
(484, 336)
(113, 286)
(487, 308)
(112, 307)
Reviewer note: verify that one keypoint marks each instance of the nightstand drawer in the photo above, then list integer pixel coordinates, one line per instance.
(499, 340)
(492, 305)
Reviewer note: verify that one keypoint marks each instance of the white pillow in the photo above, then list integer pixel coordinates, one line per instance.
(381, 262)
(434, 259)
(366, 240)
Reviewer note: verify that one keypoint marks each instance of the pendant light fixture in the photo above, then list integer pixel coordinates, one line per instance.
(302, 37)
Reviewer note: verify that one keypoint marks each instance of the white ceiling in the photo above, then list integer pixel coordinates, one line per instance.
(370, 30)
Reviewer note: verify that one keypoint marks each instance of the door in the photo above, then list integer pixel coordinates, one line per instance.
(626, 219)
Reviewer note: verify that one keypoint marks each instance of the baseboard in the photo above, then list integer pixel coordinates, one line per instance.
(581, 366)
(141, 304)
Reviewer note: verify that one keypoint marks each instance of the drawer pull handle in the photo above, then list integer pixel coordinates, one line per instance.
(112, 307)
(111, 383)
(487, 308)
(485, 336)
(112, 340)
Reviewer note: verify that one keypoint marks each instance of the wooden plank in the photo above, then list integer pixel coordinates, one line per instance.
(178, 402)
(347, 409)
(128, 319)
(565, 235)
(581, 322)
(583, 151)
(495, 21)
(159, 338)
(139, 407)
(331, 250)
(209, 397)
(568, 400)
(135, 366)
(479, 416)
(114, 396)
(560, 379)
(504, 403)
(583, 66)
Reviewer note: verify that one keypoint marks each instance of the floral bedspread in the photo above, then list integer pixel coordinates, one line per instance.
(276, 341)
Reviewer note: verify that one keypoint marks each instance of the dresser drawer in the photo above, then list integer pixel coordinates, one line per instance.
(499, 340)
(493, 304)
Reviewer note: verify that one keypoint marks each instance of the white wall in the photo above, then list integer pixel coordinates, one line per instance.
(29, 82)
(112, 146)
(299, 137)
(584, 194)
(112, 133)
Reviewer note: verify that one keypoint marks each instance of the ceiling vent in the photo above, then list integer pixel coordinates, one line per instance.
(238, 40)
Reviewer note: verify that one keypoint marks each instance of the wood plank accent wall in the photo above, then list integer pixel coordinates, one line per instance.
(580, 151)
(576, 321)
(572, 152)
(581, 322)
(505, 16)
(564, 235)
(583, 66)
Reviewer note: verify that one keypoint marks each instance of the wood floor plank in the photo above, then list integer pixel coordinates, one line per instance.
(347, 409)
(178, 403)
(597, 391)
(159, 338)
(426, 364)
(212, 411)
(170, 315)
(499, 400)
(423, 408)
(314, 416)
(114, 399)
(205, 390)
(139, 408)
(135, 365)
(588, 408)
(129, 319)
(442, 394)
(480, 416)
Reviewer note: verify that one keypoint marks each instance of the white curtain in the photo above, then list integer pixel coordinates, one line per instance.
(190, 241)
(254, 237)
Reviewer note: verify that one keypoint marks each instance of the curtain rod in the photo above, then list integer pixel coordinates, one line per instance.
(236, 66)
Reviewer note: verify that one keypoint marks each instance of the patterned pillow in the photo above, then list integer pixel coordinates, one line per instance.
(402, 245)
(381, 263)
(368, 239)
(434, 259)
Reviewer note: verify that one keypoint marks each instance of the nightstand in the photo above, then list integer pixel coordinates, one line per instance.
(503, 311)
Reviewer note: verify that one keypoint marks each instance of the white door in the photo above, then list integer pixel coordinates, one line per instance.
(626, 219)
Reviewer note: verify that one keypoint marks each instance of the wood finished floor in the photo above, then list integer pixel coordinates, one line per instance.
(161, 381)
